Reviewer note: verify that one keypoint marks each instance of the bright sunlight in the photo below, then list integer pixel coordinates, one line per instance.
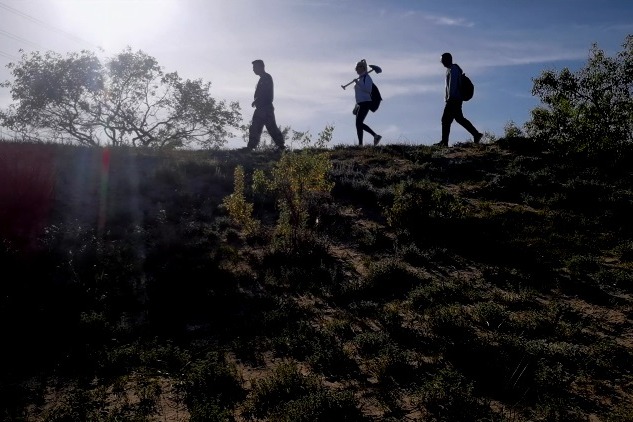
(115, 24)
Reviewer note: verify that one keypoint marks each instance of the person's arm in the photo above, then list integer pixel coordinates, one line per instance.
(264, 93)
(454, 75)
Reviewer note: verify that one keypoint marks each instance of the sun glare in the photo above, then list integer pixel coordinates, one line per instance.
(115, 24)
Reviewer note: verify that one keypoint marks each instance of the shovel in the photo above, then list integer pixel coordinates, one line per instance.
(373, 67)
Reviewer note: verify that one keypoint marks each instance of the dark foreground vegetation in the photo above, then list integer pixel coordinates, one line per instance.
(482, 283)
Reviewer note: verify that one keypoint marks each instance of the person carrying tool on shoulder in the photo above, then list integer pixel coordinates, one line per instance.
(362, 89)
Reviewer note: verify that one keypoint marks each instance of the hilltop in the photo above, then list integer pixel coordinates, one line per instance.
(476, 283)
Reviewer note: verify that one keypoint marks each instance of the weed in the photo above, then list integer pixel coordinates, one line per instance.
(211, 387)
(490, 315)
(416, 204)
(448, 396)
(238, 209)
(388, 277)
(287, 395)
(435, 292)
(322, 349)
(371, 343)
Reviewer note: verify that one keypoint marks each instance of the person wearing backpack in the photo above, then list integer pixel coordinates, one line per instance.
(454, 100)
(362, 89)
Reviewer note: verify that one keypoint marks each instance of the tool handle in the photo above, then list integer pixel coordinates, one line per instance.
(353, 80)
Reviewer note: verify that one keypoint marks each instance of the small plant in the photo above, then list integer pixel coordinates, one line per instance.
(435, 292)
(371, 343)
(288, 396)
(322, 349)
(490, 315)
(582, 265)
(450, 321)
(389, 277)
(625, 251)
(418, 202)
(211, 388)
(237, 207)
(298, 181)
(449, 397)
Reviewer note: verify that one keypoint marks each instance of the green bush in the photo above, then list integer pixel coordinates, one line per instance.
(298, 181)
(589, 110)
(238, 209)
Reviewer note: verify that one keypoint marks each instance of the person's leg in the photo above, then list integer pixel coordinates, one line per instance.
(459, 118)
(255, 131)
(369, 130)
(377, 137)
(360, 118)
(273, 129)
(364, 126)
(447, 120)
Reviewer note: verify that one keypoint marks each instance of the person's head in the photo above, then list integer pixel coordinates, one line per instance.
(258, 66)
(361, 67)
(447, 59)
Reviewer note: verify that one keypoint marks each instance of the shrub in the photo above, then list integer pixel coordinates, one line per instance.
(419, 204)
(297, 180)
(238, 209)
(211, 387)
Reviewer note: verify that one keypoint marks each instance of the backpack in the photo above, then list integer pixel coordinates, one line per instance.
(466, 87)
(376, 98)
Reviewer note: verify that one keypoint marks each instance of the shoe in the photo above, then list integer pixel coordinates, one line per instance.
(245, 149)
(441, 144)
(377, 139)
(478, 137)
(280, 148)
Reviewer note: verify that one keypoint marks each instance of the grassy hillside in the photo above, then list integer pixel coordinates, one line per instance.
(478, 283)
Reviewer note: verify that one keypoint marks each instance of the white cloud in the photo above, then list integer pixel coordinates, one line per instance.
(448, 21)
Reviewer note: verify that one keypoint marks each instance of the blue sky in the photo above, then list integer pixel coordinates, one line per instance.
(311, 47)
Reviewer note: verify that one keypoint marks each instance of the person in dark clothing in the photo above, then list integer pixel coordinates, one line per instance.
(453, 107)
(264, 114)
(362, 92)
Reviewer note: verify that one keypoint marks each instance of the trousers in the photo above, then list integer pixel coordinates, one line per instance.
(453, 111)
(264, 116)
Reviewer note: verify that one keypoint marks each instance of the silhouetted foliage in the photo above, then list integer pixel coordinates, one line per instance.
(128, 100)
(587, 110)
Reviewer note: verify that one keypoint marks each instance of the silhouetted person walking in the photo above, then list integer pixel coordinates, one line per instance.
(264, 114)
(362, 91)
(453, 107)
